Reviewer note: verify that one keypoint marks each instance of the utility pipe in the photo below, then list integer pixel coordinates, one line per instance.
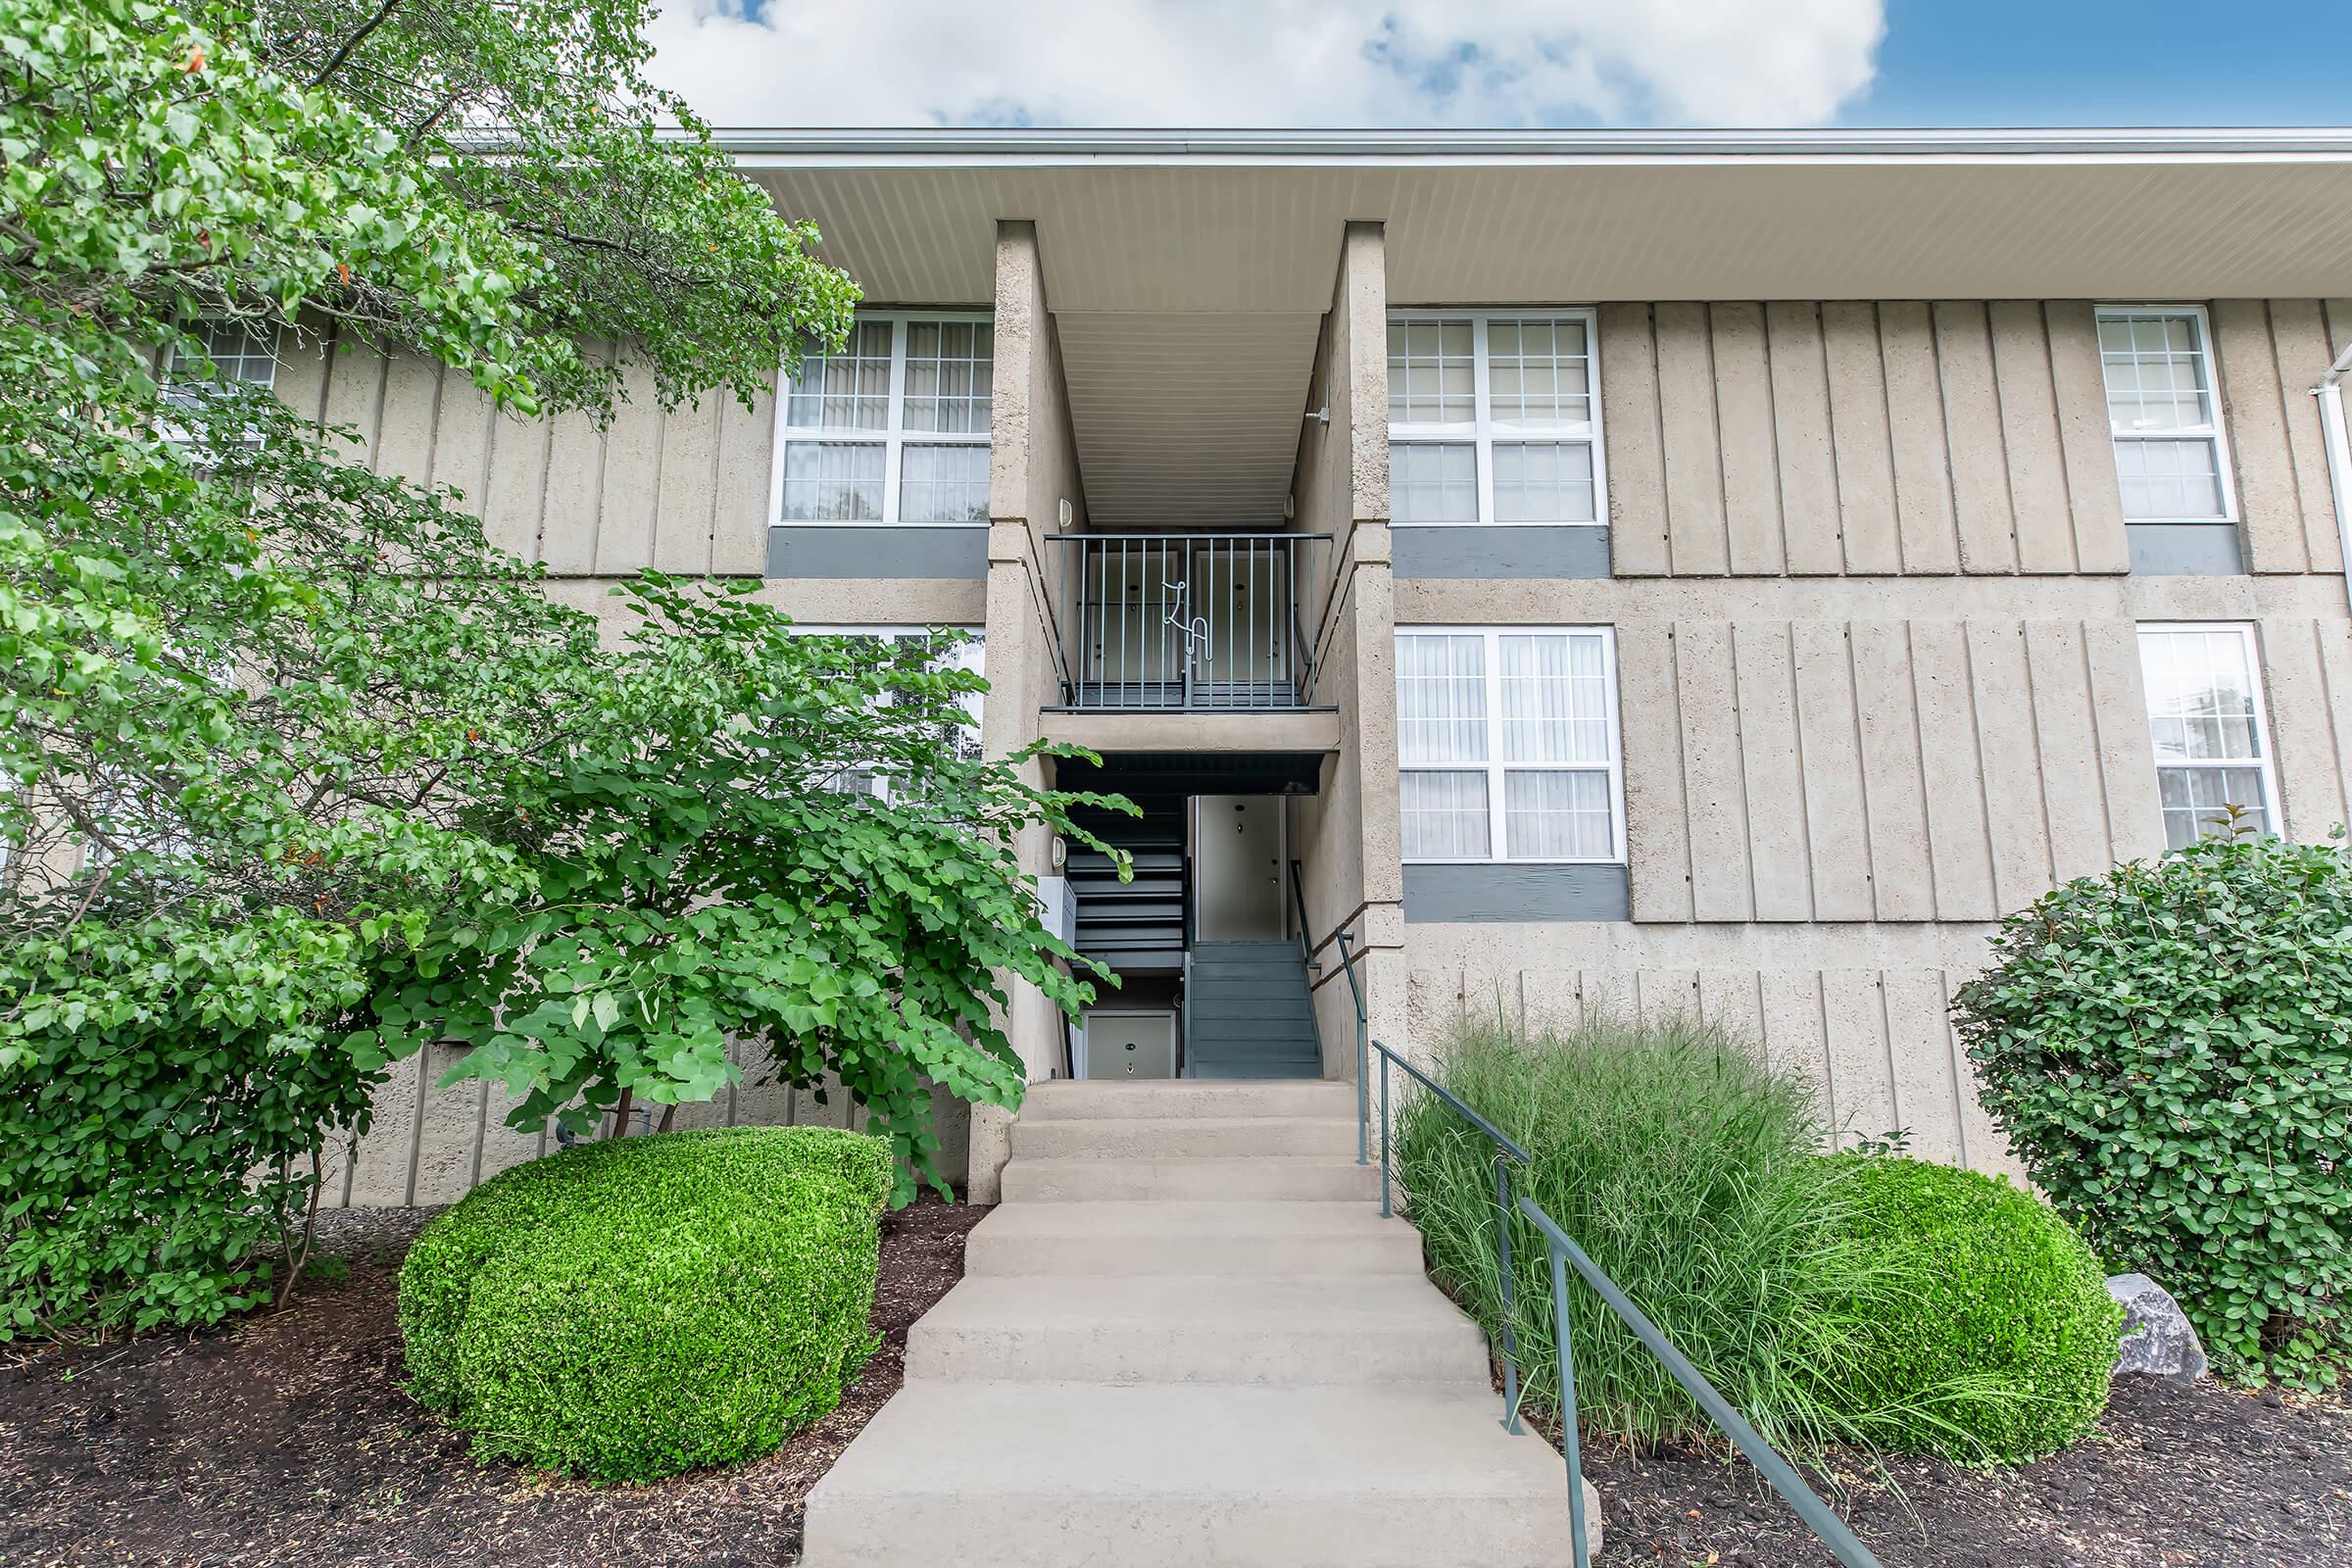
(2331, 393)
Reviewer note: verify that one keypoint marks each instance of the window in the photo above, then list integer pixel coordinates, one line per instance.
(1506, 742)
(238, 352)
(968, 655)
(1494, 417)
(893, 428)
(2172, 457)
(2205, 717)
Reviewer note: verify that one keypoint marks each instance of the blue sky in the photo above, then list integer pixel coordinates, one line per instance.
(2007, 63)
(1506, 63)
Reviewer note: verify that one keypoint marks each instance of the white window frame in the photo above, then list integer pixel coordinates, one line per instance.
(1494, 767)
(2218, 431)
(976, 639)
(1481, 432)
(2273, 808)
(892, 436)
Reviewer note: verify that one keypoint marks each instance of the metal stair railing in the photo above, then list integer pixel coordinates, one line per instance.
(1363, 1019)
(1563, 1252)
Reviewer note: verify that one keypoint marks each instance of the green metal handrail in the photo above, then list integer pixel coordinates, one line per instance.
(1564, 1254)
(1363, 1019)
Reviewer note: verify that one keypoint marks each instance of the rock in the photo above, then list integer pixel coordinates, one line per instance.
(2158, 1340)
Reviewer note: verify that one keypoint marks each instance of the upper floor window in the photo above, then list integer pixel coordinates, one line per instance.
(2205, 719)
(1507, 744)
(2172, 457)
(1494, 417)
(893, 428)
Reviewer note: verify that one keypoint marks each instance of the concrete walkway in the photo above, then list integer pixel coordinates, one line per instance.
(1186, 1337)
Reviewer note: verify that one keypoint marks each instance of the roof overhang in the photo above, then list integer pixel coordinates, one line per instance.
(1188, 271)
(1248, 220)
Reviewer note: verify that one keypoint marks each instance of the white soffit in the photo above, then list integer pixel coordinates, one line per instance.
(1186, 420)
(1249, 220)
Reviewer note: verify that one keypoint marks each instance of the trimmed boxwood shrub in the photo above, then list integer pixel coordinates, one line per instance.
(641, 1306)
(2169, 1049)
(1990, 1334)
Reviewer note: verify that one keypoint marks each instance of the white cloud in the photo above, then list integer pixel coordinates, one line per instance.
(1267, 63)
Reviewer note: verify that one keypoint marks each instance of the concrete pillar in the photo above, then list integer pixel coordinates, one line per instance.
(1347, 836)
(1033, 470)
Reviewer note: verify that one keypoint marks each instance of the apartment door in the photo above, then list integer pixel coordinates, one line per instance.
(1237, 867)
(1130, 1044)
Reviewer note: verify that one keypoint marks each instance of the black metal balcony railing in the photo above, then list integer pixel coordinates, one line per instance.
(1194, 622)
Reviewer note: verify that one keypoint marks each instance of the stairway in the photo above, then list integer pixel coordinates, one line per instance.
(1250, 1015)
(1186, 1337)
(1137, 926)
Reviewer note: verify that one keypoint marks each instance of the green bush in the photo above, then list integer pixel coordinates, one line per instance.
(1688, 1170)
(1990, 1333)
(2169, 1049)
(641, 1306)
(169, 1092)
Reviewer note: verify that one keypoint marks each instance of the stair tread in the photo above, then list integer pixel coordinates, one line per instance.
(1238, 1216)
(1194, 1442)
(1355, 1305)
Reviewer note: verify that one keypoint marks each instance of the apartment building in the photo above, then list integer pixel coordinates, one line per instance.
(1705, 571)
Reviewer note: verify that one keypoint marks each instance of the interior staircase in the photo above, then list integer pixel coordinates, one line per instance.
(1186, 1337)
(1250, 1014)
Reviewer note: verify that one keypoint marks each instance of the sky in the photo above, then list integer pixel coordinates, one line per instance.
(1400, 63)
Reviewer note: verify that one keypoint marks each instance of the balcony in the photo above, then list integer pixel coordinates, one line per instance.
(1186, 623)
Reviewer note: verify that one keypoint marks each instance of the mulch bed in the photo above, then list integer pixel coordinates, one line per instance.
(2199, 1477)
(287, 1440)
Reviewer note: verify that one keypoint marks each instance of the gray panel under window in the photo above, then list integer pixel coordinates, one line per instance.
(1462, 549)
(1438, 894)
(877, 551)
(2185, 549)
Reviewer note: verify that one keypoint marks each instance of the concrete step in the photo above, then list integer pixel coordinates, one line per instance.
(1265, 1176)
(1065, 1099)
(1158, 1138)
(1177, 1328)
(1053, 1475)
(1199, 1238)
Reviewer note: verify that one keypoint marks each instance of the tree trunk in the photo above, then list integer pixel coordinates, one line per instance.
(620, 1113)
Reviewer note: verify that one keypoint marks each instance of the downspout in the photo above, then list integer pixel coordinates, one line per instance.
(2331, 393)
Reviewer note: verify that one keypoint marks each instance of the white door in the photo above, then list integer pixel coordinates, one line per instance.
(1130, 1044)
(1237, 865)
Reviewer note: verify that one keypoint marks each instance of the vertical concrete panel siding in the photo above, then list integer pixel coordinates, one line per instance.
(1657, 827)
(1909, 437)
(1751, 489)
(1835, 804)
(1780, 848)
(2028, 414)
(1860, 438)
(1874, 1043)
(1802, 439)
(1893, 783)
(2256, 415)
(1971, 420)
(1636, 453)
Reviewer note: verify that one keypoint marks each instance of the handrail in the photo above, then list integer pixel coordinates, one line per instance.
(1563, 1254)
(1363, 1019)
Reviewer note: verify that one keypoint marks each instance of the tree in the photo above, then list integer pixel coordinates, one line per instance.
(299, 771)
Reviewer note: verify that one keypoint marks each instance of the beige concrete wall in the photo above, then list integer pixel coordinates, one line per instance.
(1877, 668)
(1345, 836)
(683, 491)
(1033, 470)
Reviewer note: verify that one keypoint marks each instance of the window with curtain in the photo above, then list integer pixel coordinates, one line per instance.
(896, 642)
(2172, 457)
(2205, 720)
(1494, 417)
(893, 428)
(1507, 744)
